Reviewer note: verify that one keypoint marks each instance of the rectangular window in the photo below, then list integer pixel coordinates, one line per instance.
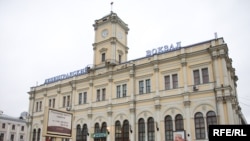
(103, 94)
(175, 81)
(118, 91)
(40, 106)
(37, 106)
(196, 77)
(64, 101)
(148, 86)
(205, 77)
(22, 128)
(120, 58)
(53, 102)
(141, 87)
(50, 102)
(85, 97)
(167, 82)
(68, 100)
(103, 57)
(13, 127)
(80, 98)
(124, 90)
(98, 95)
(11, 137)
(3, 125)
(1, 137)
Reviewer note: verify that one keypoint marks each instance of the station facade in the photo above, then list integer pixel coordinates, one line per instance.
(172, 91)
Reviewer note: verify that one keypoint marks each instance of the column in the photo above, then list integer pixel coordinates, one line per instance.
(109, 125)
(184, 71)
(132, 123)
(156, 70)
(229, 109)
(216, 69)
(188, 118)
(220, 109)
(158, 121)
(224, 67)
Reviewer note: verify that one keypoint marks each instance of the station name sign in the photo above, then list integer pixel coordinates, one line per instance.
(67, 75)
(163, 49)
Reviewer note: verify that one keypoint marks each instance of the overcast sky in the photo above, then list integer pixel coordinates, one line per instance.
(40, 39)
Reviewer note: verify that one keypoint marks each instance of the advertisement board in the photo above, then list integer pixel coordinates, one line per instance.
(59, 123)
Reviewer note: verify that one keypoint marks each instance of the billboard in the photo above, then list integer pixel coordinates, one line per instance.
(59, 123)
(179, 136)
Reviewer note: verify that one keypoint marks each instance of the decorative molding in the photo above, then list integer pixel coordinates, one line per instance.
(109, 113)
(132, 110)
(90, 115)
(187, 103)
(120, 52)
(158, 106)
(103, 50)
(156, 69)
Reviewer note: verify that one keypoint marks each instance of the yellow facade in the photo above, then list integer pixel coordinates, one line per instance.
(152, 87)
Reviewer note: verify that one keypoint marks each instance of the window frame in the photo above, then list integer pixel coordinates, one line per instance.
(199, 126)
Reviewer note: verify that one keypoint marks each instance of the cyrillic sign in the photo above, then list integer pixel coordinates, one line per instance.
(67, 75)
(163, 49)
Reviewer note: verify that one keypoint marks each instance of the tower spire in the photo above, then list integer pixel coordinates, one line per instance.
(111, 6)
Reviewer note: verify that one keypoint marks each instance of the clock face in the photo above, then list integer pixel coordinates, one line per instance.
(105, 33)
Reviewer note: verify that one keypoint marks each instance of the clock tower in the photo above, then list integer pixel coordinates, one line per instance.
(110, 46)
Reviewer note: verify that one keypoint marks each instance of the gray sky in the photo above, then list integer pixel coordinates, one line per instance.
(40, 39)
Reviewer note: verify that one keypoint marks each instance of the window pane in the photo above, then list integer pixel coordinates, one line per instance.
(205, 76)
(148, 86)
(151, 129)
(141, 130)
(124, 90)
(98, 95)
(141, 87)
(118, 91)
(78, 133)
(85, 97)
(167, 82)
(168, 128)
(103, 57)
(175, 81)
(118, 131)
(125, 131)
(199, 126)
(196, 77)
(80, 98)
(179, 122)
(103, 94)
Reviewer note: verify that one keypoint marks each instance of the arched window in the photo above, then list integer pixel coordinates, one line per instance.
(141, 131)
(38, 134)
(118, 131)
(168, 128)
(34, 135)
(179, 122)
(199, 126)
(211, 119)
(125, 131)
(84, 132)
(151, 129)
(104, 130)
(78, 133)
(97, 130)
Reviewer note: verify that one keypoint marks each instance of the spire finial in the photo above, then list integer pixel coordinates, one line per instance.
(111, 6)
